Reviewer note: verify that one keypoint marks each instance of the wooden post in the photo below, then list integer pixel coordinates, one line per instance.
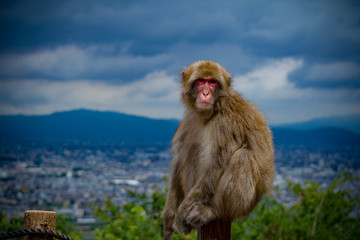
(215, 230)
(39, 219)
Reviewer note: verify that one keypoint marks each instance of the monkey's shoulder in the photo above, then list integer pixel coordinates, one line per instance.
(188, 130)
(238, 120)
(236, 109)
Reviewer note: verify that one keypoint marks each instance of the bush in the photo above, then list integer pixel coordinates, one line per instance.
(316, 214)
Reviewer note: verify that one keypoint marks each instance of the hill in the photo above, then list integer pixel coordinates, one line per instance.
(87, 125)
(107, 126)
(316, 137)
(350, 123)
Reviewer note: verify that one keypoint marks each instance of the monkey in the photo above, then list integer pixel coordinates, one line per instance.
(223, 156)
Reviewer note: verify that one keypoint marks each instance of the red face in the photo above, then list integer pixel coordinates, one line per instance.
(206, 88)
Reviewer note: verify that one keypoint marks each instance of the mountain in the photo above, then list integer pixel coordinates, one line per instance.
(87, 125)
(107, 126)
(316, 137)
(350, 123)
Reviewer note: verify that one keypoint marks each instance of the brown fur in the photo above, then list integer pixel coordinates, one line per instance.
(223, 159)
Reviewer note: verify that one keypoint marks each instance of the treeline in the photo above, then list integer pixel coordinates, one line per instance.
(316, 213)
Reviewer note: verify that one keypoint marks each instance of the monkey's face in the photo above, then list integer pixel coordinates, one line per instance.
(205, 92)
(203, 83)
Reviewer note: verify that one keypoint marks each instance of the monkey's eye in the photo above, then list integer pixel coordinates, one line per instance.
(213, 82)
(200, 82)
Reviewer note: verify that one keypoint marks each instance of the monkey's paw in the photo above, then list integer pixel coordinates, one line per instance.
(199, 215)
(180, 226)
(167, 235)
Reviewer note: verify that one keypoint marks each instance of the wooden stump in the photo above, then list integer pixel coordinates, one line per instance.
(39, 219)
(215, 230)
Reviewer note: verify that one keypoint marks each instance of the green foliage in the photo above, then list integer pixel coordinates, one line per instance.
(139, 219)
(14, 224)
(317, 214)
(63, 225)
(66, 226)
(131, 223)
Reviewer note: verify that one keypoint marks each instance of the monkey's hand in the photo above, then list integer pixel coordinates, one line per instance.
(180, 226)
(169, 217)
(198, 215)
(167, 235)
(192, 216)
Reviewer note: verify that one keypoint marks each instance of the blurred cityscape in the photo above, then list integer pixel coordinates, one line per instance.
(67, 177)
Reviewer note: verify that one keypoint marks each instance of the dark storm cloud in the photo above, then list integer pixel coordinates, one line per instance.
(320, 30)
(307, 48)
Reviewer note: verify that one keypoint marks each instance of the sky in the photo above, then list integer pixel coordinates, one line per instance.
(296, 60)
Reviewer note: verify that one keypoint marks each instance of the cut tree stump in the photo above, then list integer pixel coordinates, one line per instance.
(215, 230)
(39, 219)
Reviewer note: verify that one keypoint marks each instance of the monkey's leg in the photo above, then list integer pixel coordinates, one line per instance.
(197, 209)
(236, 194)
(174, 198)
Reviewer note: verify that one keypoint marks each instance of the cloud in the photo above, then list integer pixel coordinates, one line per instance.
(71, 62)
(283, 101)
(142, 36)
(277, 27)
(115, 62)
(296, 60)
(155, 96)
(334, 71)
(270, 81)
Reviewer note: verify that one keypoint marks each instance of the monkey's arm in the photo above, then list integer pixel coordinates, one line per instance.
(247, 176)
(196, 209)
(174, 197)
(228, 192)
(237, 191)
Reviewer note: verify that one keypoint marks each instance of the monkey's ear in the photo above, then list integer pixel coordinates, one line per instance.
(227, 77)
(229, 80)
(184, 73)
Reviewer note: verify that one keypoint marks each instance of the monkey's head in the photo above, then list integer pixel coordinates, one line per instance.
(204, 82)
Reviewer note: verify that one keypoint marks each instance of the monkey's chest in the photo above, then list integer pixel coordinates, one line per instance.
(195, 166)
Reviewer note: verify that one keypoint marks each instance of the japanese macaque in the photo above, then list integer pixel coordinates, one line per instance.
(223, 157)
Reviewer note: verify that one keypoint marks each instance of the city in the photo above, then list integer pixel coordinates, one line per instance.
(68, 177)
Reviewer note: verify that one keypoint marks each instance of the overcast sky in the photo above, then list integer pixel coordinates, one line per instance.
(296, 60)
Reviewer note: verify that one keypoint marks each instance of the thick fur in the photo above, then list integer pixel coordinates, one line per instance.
(223, 158)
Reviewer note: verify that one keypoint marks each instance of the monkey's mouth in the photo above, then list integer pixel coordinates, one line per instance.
(204, 104)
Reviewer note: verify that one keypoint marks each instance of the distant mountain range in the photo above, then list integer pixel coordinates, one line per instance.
(108, 126)
(87, 125)
(350, 123)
